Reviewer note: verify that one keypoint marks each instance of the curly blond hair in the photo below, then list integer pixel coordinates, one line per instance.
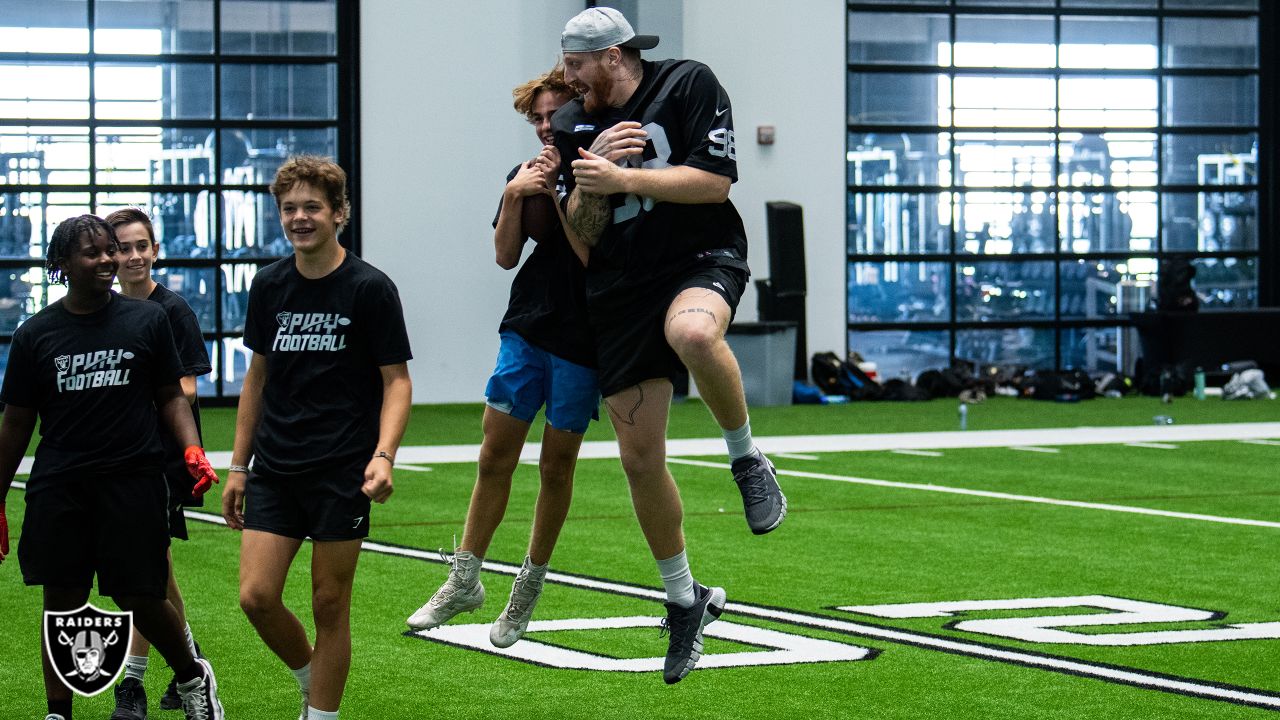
(551, 81)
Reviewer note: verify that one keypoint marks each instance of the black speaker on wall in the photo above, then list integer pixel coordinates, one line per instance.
(781, 298)
(785, 222)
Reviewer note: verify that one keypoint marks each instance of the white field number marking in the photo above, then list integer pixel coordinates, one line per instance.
(1044, 629)
(783, 648)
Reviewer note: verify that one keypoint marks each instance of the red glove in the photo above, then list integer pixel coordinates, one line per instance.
(200, 469)
(4, 533)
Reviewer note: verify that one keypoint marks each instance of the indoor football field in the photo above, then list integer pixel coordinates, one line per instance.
(1049, 561)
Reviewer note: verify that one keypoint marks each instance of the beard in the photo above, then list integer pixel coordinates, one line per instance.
(597, 100)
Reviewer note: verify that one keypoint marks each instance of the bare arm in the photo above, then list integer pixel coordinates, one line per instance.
(16, 426)
(248, 414)
(397, 399)
(188, 383)
(586, 217)
(175, 414)
(677, 184)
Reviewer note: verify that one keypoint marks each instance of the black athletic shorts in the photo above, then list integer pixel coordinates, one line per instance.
(321, 505)
(632, 344)
(180, 484)
(115, 527)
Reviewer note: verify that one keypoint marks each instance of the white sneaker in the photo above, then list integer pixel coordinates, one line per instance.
(54, 716)
(306, 700)
(525, 591)
(462, 592)
(200, 695)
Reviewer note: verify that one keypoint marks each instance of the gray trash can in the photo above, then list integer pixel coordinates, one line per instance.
(766, 353)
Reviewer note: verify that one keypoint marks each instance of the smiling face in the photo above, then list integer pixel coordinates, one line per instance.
(589, 74)
(309, 222)
(137, 253)
(545, 105)
(92, 265)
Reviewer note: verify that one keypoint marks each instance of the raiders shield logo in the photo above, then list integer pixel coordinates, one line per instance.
(283, 318)
(87, 646)
(63, 362)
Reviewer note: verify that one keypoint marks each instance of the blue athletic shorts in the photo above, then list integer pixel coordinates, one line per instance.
(527, 378)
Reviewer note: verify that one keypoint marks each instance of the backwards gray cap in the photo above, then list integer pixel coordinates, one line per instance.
(600, 28)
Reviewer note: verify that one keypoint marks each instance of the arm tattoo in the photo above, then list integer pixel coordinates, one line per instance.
(589, 216)
(630, 417)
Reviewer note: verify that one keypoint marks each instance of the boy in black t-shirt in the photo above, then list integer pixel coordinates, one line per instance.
(96, 497)
(137, 255)
(322, 410)
(546, 358)
(649, 197)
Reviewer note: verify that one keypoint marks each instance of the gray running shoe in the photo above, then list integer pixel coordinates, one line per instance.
(514, 620)
(131, 700)
(462, 592)
(200, 695)
(685, 628)
(762, 499)
(170, 699)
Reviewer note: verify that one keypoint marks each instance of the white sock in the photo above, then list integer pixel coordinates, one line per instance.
(304, 678)
(135, 666)
(538, 571)
(677, 579)
(314, 714)
(739, 441)
(191, 642)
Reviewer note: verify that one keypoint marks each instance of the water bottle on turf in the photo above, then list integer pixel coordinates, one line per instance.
(1199, 383)
(964, 416)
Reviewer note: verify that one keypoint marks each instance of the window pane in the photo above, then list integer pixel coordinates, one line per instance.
(206, 385)
(54, 91)
(898, 159)
(236, 280)
(153, 26)
(1107, 222)
(233, 360)
(893, 223)
(21, 224)
(153, 92)
(1211, 42)
(1123, 159)
(1118, 4)
(1006, 3)
(1212, 4)
(1108, 42)
(1004, 159)
(271, 27)
(1094, 289)
(142, 155)
(183, 221)
(886, 98)
(195, 285)
(899, 38)
(898, 292)
(1210, 222)
(1204, 100)
(1226, 283)
(1005, 290)
(47, 26)
(1004, 41)
(1107, 102)
(252, 157)
(1211, 159)
(1023, 347)
(1002, 222)
(20, 296)
(251, 225)
(902, 354)
(280, 92)
(1094, 350)
(44, 155)
(1003, 101)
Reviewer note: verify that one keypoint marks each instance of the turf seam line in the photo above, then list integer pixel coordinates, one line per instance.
(999, 495)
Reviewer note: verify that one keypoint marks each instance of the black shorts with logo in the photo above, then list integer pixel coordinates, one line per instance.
(322, 505)
(632, 344)
(115, 527)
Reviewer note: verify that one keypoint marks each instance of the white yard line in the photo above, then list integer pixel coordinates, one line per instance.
(918, 453)
(1261, 442)
(1152, 445)
(1033, 448)
(999, 495)
(793, 456)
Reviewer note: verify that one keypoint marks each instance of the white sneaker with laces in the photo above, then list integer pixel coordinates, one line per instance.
(514, 620)
(462, 592)
(200, 695)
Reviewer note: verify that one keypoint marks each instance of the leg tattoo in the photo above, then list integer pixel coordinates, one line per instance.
(630, 417)
(692, 310)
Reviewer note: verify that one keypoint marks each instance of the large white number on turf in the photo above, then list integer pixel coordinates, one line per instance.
(662, 153)
(783, 648)
(1043, 629)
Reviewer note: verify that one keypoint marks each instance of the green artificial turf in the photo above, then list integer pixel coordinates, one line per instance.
(844, 543)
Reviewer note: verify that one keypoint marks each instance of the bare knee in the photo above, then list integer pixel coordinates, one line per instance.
(331, 607)
(694, 339)
(258, 603)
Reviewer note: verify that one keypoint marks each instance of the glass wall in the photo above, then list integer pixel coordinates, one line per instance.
(1017, 173)
(183, 108)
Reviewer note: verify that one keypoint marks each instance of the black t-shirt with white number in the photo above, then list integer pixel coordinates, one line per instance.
(689, 121)
(92, 379)
(548, 298)
(324, 341)
(194, 356)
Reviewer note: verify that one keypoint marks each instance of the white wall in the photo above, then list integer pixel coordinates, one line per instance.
(439, 135)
